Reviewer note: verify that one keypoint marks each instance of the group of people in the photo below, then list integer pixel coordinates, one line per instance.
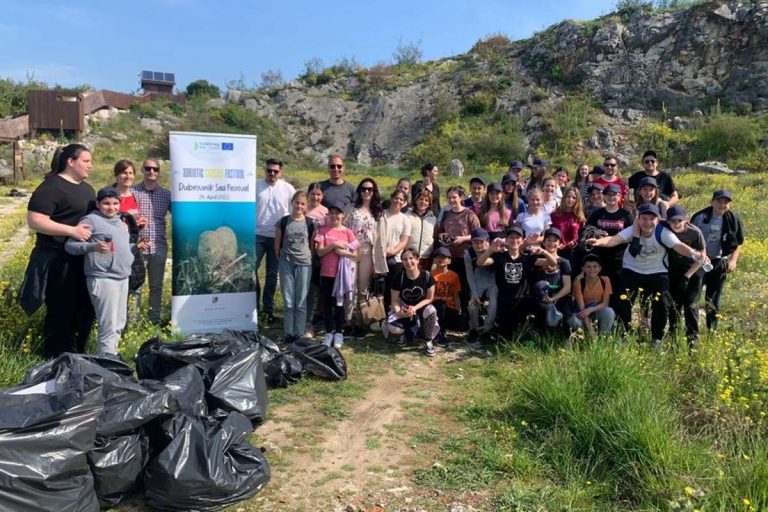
(546, 251)
(93, 249)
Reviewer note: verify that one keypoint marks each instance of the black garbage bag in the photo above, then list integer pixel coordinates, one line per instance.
(230, 364)
(320, 360)
(109, 368)
(117, 464)
(282, 370)
(206, 465)
(44, 438)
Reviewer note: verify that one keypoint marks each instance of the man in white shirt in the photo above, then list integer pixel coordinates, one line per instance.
(273, 202)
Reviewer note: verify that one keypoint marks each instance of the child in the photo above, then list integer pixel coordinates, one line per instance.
(482, 284)
(412, 311)
(333, 243)
(495, 217)
(594, 200)
(447, 290)
(592, 293)
(512, 269)
(108, 260)
(534, 220)
(293, 234)
(551, 281)
(724, 235)
(476, 193)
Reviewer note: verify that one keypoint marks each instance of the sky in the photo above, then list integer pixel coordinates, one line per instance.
(106, 43)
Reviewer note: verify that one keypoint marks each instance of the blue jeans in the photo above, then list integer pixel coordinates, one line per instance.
(266, 245)
(294, 283)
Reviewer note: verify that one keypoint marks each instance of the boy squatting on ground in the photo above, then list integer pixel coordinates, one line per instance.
(108, 261)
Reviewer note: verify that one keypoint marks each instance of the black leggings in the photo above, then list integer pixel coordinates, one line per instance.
(332, 314)
(69, 313)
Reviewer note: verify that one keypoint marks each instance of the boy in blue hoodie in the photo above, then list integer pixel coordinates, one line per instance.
(108, 261)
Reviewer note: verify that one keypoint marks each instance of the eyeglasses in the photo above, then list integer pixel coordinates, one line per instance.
(151, 169)
(366, 189)
(335, 166)
(610, 165)
(273, 171)
(649, 161)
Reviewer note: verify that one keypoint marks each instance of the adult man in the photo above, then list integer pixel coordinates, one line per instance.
(273, 202)
(154, 205)
(663, 180)
(611, 176)
(335, 189)
(724, 235)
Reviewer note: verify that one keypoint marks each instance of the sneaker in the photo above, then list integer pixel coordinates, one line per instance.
(309, 333)
(692, 345)
(473, 336)
(485, 338)
(328, 340)
(338, 339)
(441, 340)
(401, 343)
(376, 326)
(358, 332)
(269, 319)
(429, 349)
(656, 345)
(291, 338)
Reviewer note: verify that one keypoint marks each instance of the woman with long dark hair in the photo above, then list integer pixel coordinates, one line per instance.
(363, 219)
(53, 276)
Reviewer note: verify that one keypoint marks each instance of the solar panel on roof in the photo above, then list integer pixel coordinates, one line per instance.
(169, 77)
(146, 75)
(159, 76)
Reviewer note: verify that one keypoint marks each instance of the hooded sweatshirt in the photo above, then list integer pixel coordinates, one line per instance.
(114, 264)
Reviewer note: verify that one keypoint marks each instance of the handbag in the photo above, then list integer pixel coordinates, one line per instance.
(372, 307)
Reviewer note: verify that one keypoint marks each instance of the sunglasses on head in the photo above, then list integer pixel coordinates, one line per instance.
(148, 168)
(336, 166)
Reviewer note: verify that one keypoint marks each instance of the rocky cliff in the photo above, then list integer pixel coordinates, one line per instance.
(630, 63)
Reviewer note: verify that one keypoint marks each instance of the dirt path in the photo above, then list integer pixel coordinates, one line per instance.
(10, 244)
(365, 462)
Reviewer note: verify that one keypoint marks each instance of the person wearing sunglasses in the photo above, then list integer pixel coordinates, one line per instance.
(154, 205)
(664, 181)
(273, 202)
(608, 174)
(335, 189)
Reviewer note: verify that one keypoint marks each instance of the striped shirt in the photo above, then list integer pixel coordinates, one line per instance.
(154, 205)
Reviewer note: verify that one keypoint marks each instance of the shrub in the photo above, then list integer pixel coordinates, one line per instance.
(203, 89)
(479, 103)
(672, 145)
(494, 50)
(408, 54)
(568, 125)
(14, 96)
(726, 136)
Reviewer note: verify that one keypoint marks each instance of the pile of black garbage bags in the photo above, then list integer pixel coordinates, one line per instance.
(82, 433)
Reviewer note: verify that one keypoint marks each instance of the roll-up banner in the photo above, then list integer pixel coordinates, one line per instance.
(213, 207)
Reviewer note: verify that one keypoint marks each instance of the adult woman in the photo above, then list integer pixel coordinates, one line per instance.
(125, 174)
(413, 291)
(429, 173)
(318, 214)
(495, 217)
(581, 181)
(569, 219)
(644, 272)
(423, 222)
(363, 220)
(58, 278)
(455, 232)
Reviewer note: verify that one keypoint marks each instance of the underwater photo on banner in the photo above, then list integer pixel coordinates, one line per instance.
(213, 207)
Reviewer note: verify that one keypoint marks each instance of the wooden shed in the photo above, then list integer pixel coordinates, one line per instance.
(56, 110)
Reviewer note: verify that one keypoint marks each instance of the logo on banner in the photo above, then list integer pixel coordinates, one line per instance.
(214, 300)
(227, 146)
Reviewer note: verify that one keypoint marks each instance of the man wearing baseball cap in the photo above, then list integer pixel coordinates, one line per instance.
(724, 235)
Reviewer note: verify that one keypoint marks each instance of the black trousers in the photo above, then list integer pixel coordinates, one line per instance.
(69, 313)
(655, 293)
(685, 295)
(714, 282)
(457, 265)
(332, 314)
(513, 313)
(449, 318)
